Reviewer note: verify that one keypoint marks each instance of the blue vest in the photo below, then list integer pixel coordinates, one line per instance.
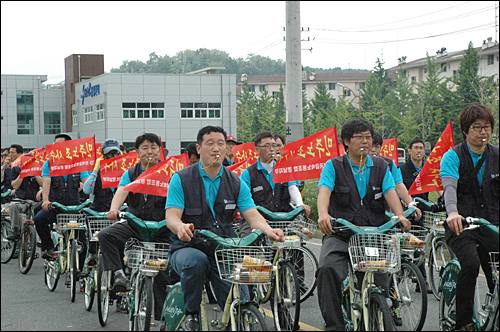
(263, 194)
(29, 188)
(102, 196)
(65, 193)
(409, 173)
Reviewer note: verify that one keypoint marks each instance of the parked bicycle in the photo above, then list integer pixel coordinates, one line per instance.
(8, 246)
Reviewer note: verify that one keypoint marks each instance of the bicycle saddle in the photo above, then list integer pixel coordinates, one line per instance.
(229, 243)
(280, 216)
(71, 208)
(148, 229)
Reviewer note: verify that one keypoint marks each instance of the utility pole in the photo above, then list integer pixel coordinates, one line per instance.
(294, 123)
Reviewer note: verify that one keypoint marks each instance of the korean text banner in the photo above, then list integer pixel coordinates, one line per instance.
(32, 166)
(112, 169)
(245, 151)
(390, 149)
(428, 179)
(304, 159)
(155, 180)
(71, 157)
(98, 151)
(238, 168)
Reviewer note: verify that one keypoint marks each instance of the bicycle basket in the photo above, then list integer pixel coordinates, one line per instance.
(96, 224)
(245, 265)
(494, 266)
(292, 240)
(154, 256)
(432, 219)
(132, 255)
(301, 226)
(413, 240)
(67, 222)
(375, 253)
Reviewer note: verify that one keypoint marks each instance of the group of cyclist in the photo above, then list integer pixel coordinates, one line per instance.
(358, 186)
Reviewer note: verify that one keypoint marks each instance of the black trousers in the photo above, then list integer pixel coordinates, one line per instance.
(332, 270)
(472, 249)
(112, 241)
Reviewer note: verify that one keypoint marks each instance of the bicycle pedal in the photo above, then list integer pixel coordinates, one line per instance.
(152, 324)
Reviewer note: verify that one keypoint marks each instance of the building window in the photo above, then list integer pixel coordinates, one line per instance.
(75, 118)
(347, 93)
(276, 94)
(455, 74)
(404, 72)
(362, 85)
(99, 112)
(200, 110)
(490, 59)
(443, 67)
(304, 87)
(87, 113)
(52, 123)
(331, 86)
(414, 79)
(262, 88)
(184, 146)
(251, 88)
(334, 100)
(25, 113)
(143, 110)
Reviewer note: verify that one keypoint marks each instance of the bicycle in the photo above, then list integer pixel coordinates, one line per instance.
(486, 315)
(302, 258)
(230, 253)
(8, 246)
(66, 246)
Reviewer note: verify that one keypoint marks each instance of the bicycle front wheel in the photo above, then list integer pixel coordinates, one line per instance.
(103, 283)
(89, 289)
(410, 297)
(27, 248)
(8, 246)
(437, 262)
(285, 301)
(306, 265)
(249, 318)
(73, 270)
(52, 273)
(144, 305)
(380, 315)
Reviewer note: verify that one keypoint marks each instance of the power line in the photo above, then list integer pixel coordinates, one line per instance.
(255, 42)
(268, 46)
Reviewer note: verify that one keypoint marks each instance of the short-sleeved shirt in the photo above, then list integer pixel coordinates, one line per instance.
(450, 164)
(418, 169)
(396, 174)
(327, 178)
(245, 175)
(46, 170)
(175, 197)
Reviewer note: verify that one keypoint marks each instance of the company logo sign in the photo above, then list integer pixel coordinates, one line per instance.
(90, 91)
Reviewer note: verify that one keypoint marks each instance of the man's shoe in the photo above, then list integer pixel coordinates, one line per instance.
(15, 235)
(49, 255)
(92, 260)
(428, 288)
(122, 284)
(468, 327)
(191, 323)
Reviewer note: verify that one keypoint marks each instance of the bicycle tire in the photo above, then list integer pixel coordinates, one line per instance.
(142, 319)
(412, 304)
(249, 318)
(52, 273)
(446, 323)
(379, 309)
(437, 263)
(8, 246)
(73, 269)
(89, 289)
(27, 248)
(306, 271)
(286, 306)
(102, 293)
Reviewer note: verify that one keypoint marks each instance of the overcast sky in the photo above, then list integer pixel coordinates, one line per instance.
(37, 36)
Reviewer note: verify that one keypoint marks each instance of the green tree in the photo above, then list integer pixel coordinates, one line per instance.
(321, 108)
(246, 105)
(468, 77)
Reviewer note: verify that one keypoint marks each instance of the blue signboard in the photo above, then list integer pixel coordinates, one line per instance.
(90, 91)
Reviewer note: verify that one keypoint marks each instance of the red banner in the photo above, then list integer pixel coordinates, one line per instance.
(428, 179)
(98, 151)
(162, 151)
(155, 180)
(304, 159)
(245, 151)
(341, 150)
(390, 149)
(238, 168)
(32, 166)
(71, 157)
(112, 169)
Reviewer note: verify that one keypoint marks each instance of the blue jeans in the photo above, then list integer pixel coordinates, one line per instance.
(194, 267)
(43, 220)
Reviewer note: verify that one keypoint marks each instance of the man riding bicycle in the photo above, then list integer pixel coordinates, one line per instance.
(469, 173)
(352, 187)
(205, 196)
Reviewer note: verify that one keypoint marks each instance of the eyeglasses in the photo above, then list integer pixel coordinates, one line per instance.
(361, 137)
(478, 129)
(267, 146)
(279, 146)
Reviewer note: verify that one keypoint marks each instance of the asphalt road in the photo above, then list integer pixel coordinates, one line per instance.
(27, 305)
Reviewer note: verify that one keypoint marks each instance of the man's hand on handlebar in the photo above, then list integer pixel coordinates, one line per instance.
(185, 232)
(454, 221)
(324, 224)
(406, 224)
(45, 205)
(276, 234)
(307, 209)
(113, 214)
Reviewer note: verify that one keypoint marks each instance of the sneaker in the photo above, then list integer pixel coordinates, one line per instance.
(49, 255)
(122, 284)
(92, 260)
(15, 235)
(428, 288)
(191, 323)
(468, 327)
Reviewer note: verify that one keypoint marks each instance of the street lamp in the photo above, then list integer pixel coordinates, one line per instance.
(358, 96)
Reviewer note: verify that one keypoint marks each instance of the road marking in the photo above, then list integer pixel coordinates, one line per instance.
(302, 326)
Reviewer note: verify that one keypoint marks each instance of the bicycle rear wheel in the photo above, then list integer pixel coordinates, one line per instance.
(436, 263)
(142, 319)
(285, 301)
(8, 246)
(27, 248)
(249, 318)
(380, 315)
(447, 313)
(89, 288)
(52, 273)
(306, 265)
(103, 283)
(73, 269)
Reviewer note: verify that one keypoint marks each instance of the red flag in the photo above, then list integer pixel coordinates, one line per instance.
(98, 151)
(112, 169)
(304, 159)
(71, 157)
(428, 179)
(390, 149)
(238, 168)
(155, 180)
(162, 151)
(32, 166)
(341, 150)
(245, 151)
